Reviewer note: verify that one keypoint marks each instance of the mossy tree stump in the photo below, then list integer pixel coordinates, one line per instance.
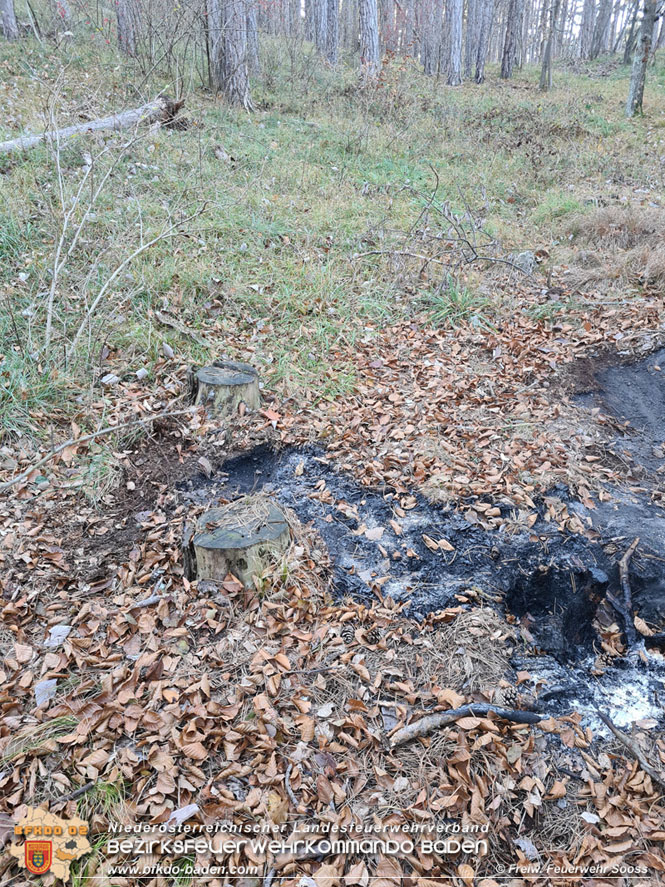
(243, 538)
(222, 387)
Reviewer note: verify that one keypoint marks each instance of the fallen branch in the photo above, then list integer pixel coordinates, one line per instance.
(657, 777)
(443, 718)
(102, 432)
(624, 607)
(162, 110)
(631, 634)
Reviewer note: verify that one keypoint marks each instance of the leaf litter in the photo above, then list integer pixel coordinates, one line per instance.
(275, 703)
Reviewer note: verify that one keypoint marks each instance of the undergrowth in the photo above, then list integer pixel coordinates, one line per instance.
(270, 210)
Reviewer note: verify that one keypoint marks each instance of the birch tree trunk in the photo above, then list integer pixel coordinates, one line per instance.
(369, 38)
(455, 18)
(661, 34)
(228, 27)
(641, 60)
(126, 14)
(546, 69)
(486, 18)
(8, 21)
(513, 28)
(332, 31)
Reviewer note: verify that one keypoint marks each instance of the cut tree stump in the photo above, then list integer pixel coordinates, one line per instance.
(243, 538)
(222, 387)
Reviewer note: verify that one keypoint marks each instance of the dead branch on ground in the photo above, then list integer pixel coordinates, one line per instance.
(162, 110)
(102, 432)
(443, 718)
(657, 777)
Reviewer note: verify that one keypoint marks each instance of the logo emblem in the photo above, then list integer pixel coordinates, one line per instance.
(38, 856)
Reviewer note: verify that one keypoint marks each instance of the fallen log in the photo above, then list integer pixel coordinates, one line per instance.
(163, 110)
(444, 718)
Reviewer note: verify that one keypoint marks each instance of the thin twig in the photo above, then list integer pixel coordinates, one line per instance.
(75, 441)
(79, 792)
(443, 718)
(289, 790)
(391, 252)
(634, 750)
(169, 232)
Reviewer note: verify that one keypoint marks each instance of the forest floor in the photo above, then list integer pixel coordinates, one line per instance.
(425, 279)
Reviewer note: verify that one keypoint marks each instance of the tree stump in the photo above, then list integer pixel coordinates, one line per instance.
(222, 387)
(243, 538)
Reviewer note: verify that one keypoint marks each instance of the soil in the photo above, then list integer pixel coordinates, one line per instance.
(634, 394)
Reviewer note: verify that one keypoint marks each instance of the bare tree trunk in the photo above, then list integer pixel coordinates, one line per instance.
(408, 35)
(431, 31)
(309, 20)
(295, 18)
(471, 45)
(8, 22)
(661, 34)
(332, 31)
(630, 39)
(586, 28)
(546, 70)
(369, 38)
(228, 26)
(455, 19)
(513, 29)
(318, 10)
(524, 34)
(253, 62)
(486, 13)
(639, 72)
(558, 33)
(600, 28)
(127, 15)
(350, 25)
(387, 29)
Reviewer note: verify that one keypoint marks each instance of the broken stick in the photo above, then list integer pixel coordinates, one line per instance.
(162, 110)
(102, 432)
(443, 718)
(631, 635)
(629, 621)
(657, 777)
